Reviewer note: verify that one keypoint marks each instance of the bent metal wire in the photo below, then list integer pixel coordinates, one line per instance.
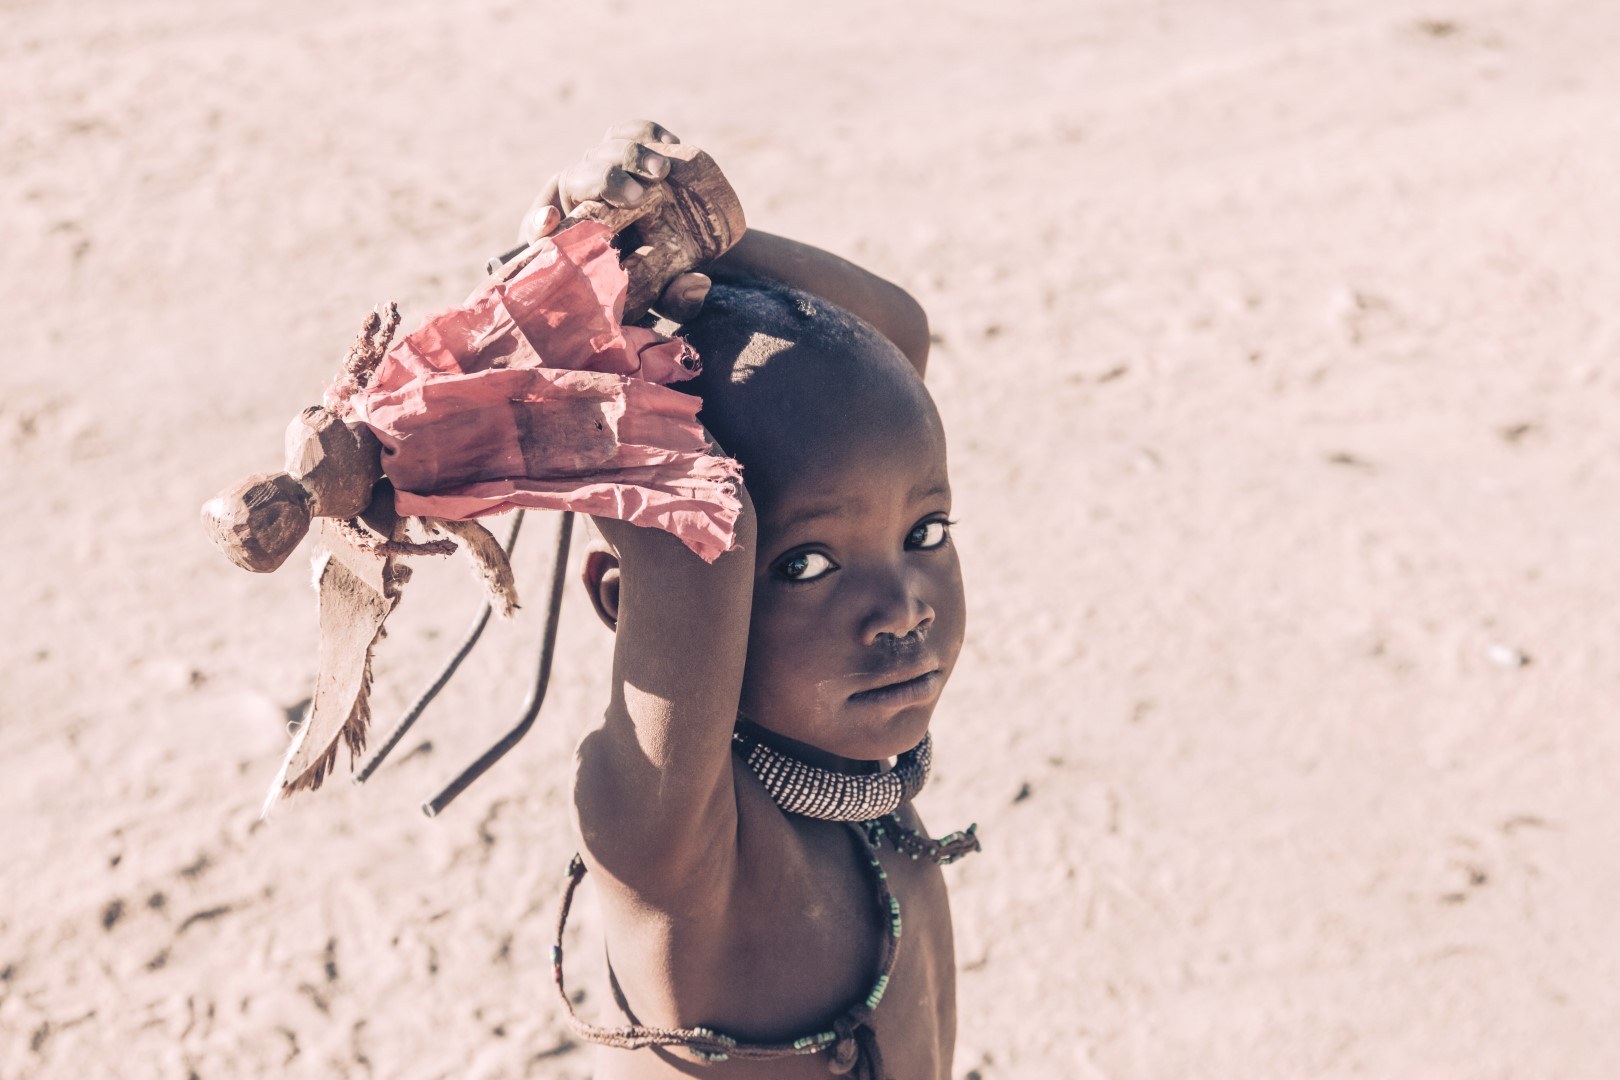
(537, 694)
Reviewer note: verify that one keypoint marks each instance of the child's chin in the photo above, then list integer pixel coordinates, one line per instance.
(895, 734)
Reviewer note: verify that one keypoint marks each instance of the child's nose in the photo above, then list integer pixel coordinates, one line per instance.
(898, 610)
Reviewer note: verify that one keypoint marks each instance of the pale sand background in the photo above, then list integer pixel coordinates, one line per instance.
(1279, 350)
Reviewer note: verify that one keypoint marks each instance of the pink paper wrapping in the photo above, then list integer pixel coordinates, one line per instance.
(533, 394)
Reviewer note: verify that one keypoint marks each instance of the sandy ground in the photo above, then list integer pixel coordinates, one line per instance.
(1278, 349)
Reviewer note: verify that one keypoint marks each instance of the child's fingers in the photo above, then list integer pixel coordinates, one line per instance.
(543, 216)
(583, 182)
(683, 297)
(641, 131)
(614, 187)
(619, 173)
(634, 158)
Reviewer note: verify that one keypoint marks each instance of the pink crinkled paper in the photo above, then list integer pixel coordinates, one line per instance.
(533, 394)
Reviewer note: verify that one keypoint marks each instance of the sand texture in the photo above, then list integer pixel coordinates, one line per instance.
(1279, 350)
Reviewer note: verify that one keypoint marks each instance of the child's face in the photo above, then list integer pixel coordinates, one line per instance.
(858, 612)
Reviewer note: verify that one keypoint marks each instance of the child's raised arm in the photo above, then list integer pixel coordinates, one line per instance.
(653, 789)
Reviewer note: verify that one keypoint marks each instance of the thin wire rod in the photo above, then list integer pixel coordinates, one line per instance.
(426, 697)
(531, 708)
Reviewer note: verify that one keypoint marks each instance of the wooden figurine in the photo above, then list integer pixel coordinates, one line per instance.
(331, 467)
(333, 474)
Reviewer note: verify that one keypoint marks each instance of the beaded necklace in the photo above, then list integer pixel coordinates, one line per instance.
(867, 804)
(804, 789)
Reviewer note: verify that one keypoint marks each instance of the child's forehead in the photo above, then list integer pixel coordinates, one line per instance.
(829, 439)
(860, 474)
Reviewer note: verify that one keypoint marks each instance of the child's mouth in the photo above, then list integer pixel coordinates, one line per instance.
(904, 692)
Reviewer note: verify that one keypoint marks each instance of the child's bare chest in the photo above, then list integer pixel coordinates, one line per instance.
(803, 939)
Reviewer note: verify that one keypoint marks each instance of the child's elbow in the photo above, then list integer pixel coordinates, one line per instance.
(908, 329)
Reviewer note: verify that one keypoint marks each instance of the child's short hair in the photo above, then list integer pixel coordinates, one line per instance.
(777, 360)
(737, 312)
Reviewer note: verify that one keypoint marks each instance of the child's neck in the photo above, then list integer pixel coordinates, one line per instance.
(811, 755)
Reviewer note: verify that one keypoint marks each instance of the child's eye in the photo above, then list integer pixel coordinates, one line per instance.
(805, 566)
(929, 534)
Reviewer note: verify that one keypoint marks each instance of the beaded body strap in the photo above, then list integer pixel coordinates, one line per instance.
(867, 804)
(854, 1049)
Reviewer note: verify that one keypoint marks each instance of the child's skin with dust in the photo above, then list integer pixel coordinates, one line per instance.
(829, 630)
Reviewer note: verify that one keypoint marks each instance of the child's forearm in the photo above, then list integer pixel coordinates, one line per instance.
(882, 303)
(653, 790)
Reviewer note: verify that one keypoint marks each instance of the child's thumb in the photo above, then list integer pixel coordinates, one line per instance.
(683, 297)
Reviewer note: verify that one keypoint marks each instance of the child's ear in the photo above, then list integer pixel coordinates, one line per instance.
(601, 577)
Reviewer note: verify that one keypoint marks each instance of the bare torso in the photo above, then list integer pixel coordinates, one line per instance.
(793, 945)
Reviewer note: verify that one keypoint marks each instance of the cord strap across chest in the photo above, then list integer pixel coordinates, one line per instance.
(867, 805)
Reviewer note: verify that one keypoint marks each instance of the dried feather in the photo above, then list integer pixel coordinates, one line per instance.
(353, 735)
(352, 612)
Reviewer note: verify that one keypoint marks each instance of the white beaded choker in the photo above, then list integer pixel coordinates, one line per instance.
(814, 792)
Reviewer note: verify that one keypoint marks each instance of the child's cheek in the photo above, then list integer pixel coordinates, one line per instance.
(793, 674)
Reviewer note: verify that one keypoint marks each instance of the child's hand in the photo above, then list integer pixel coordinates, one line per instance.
(620, 171)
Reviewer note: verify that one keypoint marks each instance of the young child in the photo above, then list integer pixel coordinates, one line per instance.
(752, 924)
